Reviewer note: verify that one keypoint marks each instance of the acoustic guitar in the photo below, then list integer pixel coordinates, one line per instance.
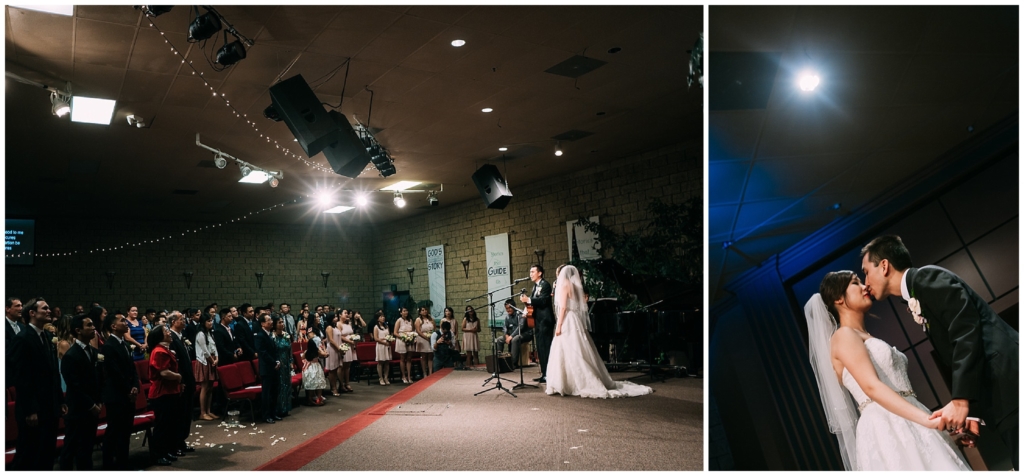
(529, 311)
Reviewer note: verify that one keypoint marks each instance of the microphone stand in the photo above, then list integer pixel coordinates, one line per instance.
(496, 375)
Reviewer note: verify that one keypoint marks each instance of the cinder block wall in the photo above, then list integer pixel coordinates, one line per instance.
(618, 192)
(363, 262)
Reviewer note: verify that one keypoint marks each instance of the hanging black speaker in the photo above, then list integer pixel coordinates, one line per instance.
(492, 187)
(348, 155)
(299, 108)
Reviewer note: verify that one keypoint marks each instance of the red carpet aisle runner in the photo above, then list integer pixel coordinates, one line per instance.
(316, 446)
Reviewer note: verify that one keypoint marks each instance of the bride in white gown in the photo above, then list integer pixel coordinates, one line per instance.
(574, 366)
(893, 430)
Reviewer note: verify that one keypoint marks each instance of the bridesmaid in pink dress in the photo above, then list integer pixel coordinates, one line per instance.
(334, 354)
(470, 341)
(350, 356)
(424, 327)
(405, 353)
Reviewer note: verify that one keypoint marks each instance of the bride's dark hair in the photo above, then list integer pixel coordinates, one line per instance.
(833, 287)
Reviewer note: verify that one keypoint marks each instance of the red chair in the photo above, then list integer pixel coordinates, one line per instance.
(249, 378)
(235, 389)
(142, 368)
(366, 354)
(144, 417)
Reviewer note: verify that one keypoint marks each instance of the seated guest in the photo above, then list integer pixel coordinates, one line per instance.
(228, 349)
(441, 341)
(120, 389)
(269, 367)
(40, 401)
(516, 332)
(164, 393)
(313, 373)
(78, 367)
(205, 366)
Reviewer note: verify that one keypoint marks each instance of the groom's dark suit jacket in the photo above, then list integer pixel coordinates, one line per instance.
(972, 339)
(540, 299)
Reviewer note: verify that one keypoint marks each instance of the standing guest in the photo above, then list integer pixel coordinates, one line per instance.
(245, 330)
(181, 346)
(313, 373)
(283, 346)
(470, 340)
(191, 326)
(211, 311)
(315, 331)
(358, 324)
(40, 400)
(14, 326)
(301, 326)
(78, 310)
(380, 335)
(83, 397)
(406, 352)
(136, 334)
(289, 321)
(164, 394)
(350, 356)
(424, 327)
(98, 314)
(449, 317)
(120, 389)
(150, 318)
(305, 307)
(62, 331)
(269, 367)
(205, 366)
(334, 353)
(228, 349)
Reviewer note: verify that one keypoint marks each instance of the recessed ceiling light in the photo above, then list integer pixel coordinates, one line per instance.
(362, 200)
(92, 110)
(401, 186)
(502, 149)
(808, 81)
(486, 109)
(458, 43)
(66, 10)
(255, 176)
(338, 209)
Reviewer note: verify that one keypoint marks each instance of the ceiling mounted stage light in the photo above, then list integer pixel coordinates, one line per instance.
(157, 10)
(432, 199)
(220, 161)
(204, 26)
(399, 201)
(231, 53)
(273, 182)
(246, 170)
(362, 200)
(808, 81)
(92, 110)
(324, 199)
(60, 104)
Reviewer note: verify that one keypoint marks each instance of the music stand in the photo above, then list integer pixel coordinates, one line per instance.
(496, 375)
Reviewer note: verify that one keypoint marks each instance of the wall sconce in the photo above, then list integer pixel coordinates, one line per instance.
(410, 270)
(259, 279)
(465, 267)
(540, 256)
(188, 279)
(325, 275)
(110, 279)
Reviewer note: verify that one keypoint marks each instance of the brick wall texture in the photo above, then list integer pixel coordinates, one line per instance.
(363, 261)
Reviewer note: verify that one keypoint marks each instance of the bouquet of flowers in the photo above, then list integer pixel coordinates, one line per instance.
(407, 337)
(356, 337)
(344, 347)
(390, 338)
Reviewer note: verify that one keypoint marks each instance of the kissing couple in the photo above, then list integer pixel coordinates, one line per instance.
(865, 390)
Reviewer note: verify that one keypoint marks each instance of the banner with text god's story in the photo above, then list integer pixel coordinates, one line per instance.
(435, 279)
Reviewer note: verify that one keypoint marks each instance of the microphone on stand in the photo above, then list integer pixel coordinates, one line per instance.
(521, 280)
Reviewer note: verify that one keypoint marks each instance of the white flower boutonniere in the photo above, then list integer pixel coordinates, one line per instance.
(188, 342)
(132, 346)
(286, 336)
(54, 340)
(99, 357)
(915, 309)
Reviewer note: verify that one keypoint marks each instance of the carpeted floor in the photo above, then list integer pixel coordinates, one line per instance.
(445, 427)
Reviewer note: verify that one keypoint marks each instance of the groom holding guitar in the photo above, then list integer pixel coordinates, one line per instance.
(540, 299)
(968, 336)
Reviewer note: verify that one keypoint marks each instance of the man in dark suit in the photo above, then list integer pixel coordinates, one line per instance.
(78, 367)
(968, 336)
(40, 401)
(120, 390)
(540, 299)
(268, 369)
(228, 350)
(180, 345)
(191, 328)
(14, 326)
(245, 329)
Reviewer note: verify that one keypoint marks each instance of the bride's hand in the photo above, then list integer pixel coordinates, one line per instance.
(932, 423)
(558, 331)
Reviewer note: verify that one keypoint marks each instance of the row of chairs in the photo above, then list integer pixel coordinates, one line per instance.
(241, 383)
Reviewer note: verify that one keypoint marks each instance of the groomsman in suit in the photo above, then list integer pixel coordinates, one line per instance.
(191, 328)
(289, 321)
(228, 350)
(968, 336)
(540, 299)
(245, 329)
(182, 350)
(14, 325)
(78, 367)
(40, 401)
(120, 391)
(268, 369)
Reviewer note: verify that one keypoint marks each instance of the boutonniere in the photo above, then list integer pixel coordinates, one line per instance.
(188, 342)
(914, 306)
(53, 341)
(132, 346)
(286, 336)
(99, 357)
(173, 352)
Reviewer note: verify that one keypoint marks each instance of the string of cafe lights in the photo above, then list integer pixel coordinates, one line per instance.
(227, 102)
(130, 245)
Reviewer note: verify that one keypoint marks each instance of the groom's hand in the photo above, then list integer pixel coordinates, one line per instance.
(953, 415)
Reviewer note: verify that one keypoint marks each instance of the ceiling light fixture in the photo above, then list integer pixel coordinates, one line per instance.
(156, 10)
(324, 199)
(502, 149)
(399, 201)
(273, 182)
(400, 186)
(250, 172)
(220, 161)
(558, 149)
(60, 104)
(66, 10)
(338, 209)
(204, 26)
(92, 110)
(458, 43)
(246, 170)
(487, 109)
(432, 199)
(808, 81)
(230, 53)
(362, 200)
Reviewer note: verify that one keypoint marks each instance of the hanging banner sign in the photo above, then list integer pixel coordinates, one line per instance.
(435, 279)
(498, 275)
(581, 241)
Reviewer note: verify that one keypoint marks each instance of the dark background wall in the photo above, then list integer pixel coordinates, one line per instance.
(364, 261)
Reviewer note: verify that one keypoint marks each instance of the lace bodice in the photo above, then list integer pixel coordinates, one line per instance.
(891, 367)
